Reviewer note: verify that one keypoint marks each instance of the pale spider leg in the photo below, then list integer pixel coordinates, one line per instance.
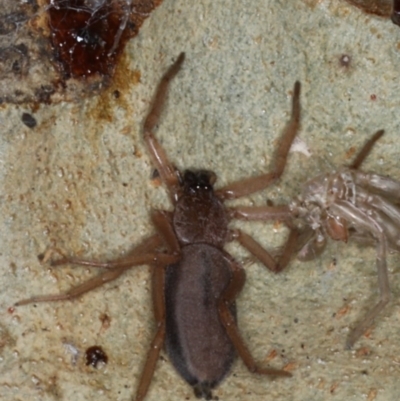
(227, 298)
(310, 245)
(158, 284)
(351, 213)
(390, 229)
(168, 173)
(253, 184)
(107, 276)
(386, 186)
(384, 288)
(381, 204)
(262, 254)
(366, 149)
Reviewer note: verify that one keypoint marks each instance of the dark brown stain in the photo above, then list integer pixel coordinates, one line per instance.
(95, 355)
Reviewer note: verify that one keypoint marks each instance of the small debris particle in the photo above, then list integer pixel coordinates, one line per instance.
(333, 264)
(94, 355)
(345, 60)
(300, 146)
(350, 152)
(372, 394)
(71, 349)
(363, 351)
(289, 367)
(105, 321)
(271, 355)
(333, 387)
(342, 311)
(29, 120)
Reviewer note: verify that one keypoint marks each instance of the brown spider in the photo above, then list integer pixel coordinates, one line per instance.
(195, 282)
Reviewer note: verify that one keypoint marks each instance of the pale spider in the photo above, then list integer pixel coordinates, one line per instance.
(350, 203)
(346, 204)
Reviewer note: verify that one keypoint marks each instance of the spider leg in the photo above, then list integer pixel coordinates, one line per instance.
(365, 199)
(142, 254)
(253, 184)
(369, 224)
(384, 289)
(167, 171)
(256, 249)
(162, 221)
(146, 247)
(366, 149)
(260, 213)
(227, 298)
(105, 277)
(311, 244)
(385, 186)
(158, 284)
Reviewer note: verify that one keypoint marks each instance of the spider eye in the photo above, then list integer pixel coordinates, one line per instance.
(198, 180)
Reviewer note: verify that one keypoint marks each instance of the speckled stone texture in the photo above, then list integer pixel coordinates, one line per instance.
(81, 181)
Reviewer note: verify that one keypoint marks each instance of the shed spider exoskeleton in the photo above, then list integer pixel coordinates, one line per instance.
(345, 204)
(350, 203)
(195, 282)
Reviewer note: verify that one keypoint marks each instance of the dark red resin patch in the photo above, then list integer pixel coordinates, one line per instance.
(89, 35)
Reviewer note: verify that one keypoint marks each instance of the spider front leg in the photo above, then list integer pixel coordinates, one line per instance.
(266, 213)
(168, 173)
(250, 185)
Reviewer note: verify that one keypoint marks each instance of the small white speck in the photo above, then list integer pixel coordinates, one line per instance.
(300, 146)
